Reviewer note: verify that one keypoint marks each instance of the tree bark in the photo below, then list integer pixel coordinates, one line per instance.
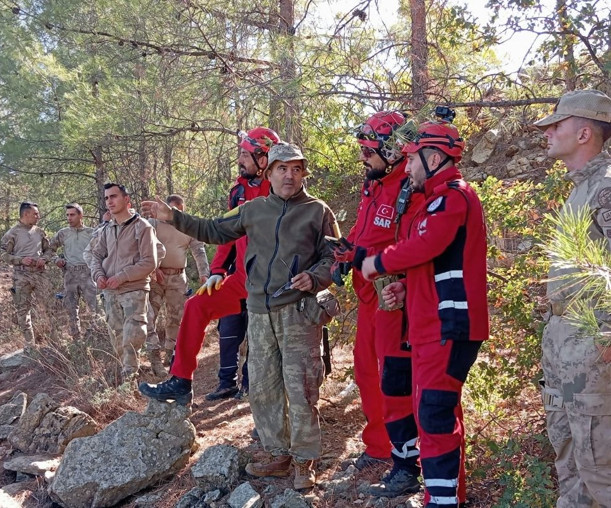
(419, 54)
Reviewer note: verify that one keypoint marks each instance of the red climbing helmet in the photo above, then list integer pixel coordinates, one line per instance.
(258, 140)
(383, 132)
(441, 135)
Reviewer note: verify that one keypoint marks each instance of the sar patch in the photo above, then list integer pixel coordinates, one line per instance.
(438, 205)
(604, 197)
(384, 216)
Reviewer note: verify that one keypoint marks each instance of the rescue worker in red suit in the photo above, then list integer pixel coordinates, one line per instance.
(444, 255)
(382, 360)
(223, 294)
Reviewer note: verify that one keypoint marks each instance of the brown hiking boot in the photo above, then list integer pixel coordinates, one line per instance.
(156, 364)
(305, 476)
(271, 466)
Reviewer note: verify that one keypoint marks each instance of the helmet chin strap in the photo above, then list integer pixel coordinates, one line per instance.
(431, 172)
(389, 167)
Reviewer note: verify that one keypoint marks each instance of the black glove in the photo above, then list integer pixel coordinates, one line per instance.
(359, 256)
(338, 271)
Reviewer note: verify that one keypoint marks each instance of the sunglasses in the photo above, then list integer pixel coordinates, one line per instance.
(367, 152)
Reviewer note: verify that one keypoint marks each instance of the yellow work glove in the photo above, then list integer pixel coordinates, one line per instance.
(213, 282)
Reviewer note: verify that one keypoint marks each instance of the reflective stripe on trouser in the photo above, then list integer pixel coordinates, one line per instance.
(126, 320)
(171, 291)
(77, 284)
(439, 372)
(232, 330)
(199, 310)
(25, 284)
(285, 370)
(580, 432)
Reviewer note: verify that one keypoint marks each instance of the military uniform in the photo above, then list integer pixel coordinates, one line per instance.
(129, 252)
(172, 289)
(17, 243)
(577, 393)
(285, 238)
(77, 276)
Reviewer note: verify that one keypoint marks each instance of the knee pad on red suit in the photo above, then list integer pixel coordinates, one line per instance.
(462, 358)
(436, 411)
(397, 376)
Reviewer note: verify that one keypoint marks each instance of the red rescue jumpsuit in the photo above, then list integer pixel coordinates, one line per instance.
(444, 253)
(382, 365)
(201, 309)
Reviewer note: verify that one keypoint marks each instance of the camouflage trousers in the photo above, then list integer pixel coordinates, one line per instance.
(577, 400)
(285, 372)
(78, 284)
(25, 283)
(126, 320)
(171, 291)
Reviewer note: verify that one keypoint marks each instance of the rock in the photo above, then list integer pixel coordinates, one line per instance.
(45, 427)
(147, 500)
(245, 497)
(132, 453)
(32, 464)
(12, 360)
(217, 468)
(23, 477)
(518, 166)
(5, 431)
(485, 148)
(6, 496)
(213, 495)
(289, 499)
(512, 150)
(13, 409)
(193, 499)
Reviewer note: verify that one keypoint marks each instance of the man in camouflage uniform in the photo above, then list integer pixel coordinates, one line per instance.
(577, 369)
(170, 284)
(122, 259)
(287, 262)
(26, 247)
(77, 277)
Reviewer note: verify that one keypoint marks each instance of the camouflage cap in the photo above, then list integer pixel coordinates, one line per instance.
(286, 152)
(592, 104)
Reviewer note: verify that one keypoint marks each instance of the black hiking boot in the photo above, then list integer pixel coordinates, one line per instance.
(222, 393)
(396, 483)
(175, 388)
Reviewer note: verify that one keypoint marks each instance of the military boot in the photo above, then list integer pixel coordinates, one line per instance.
(156, 364)
(305, 476)
(175, 388)
(273, 465)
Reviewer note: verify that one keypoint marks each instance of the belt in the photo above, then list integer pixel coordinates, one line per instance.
(76, 267)
(24, 268)
(171, 271)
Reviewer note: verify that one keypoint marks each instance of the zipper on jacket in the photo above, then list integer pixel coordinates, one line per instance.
(271, 261)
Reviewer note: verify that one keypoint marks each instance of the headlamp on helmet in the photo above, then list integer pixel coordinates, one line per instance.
(384, 132)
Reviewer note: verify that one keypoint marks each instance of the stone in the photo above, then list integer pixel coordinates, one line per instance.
(12, 360)
(193, 499)
(218, 467)
(23, 477)
(45, 427)
(518, 166)
(289, 499)
(133, 453)
(245, 496)
(13, 409)
(6, 496)
(485, 148)
(148, 500)
(5, 431)
(37, 464)
(213, 495)
(512, 150)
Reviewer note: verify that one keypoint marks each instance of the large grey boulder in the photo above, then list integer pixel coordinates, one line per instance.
(45, 427)
(12, 360)
(129, 455)
(217, 468)
(485, 148)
